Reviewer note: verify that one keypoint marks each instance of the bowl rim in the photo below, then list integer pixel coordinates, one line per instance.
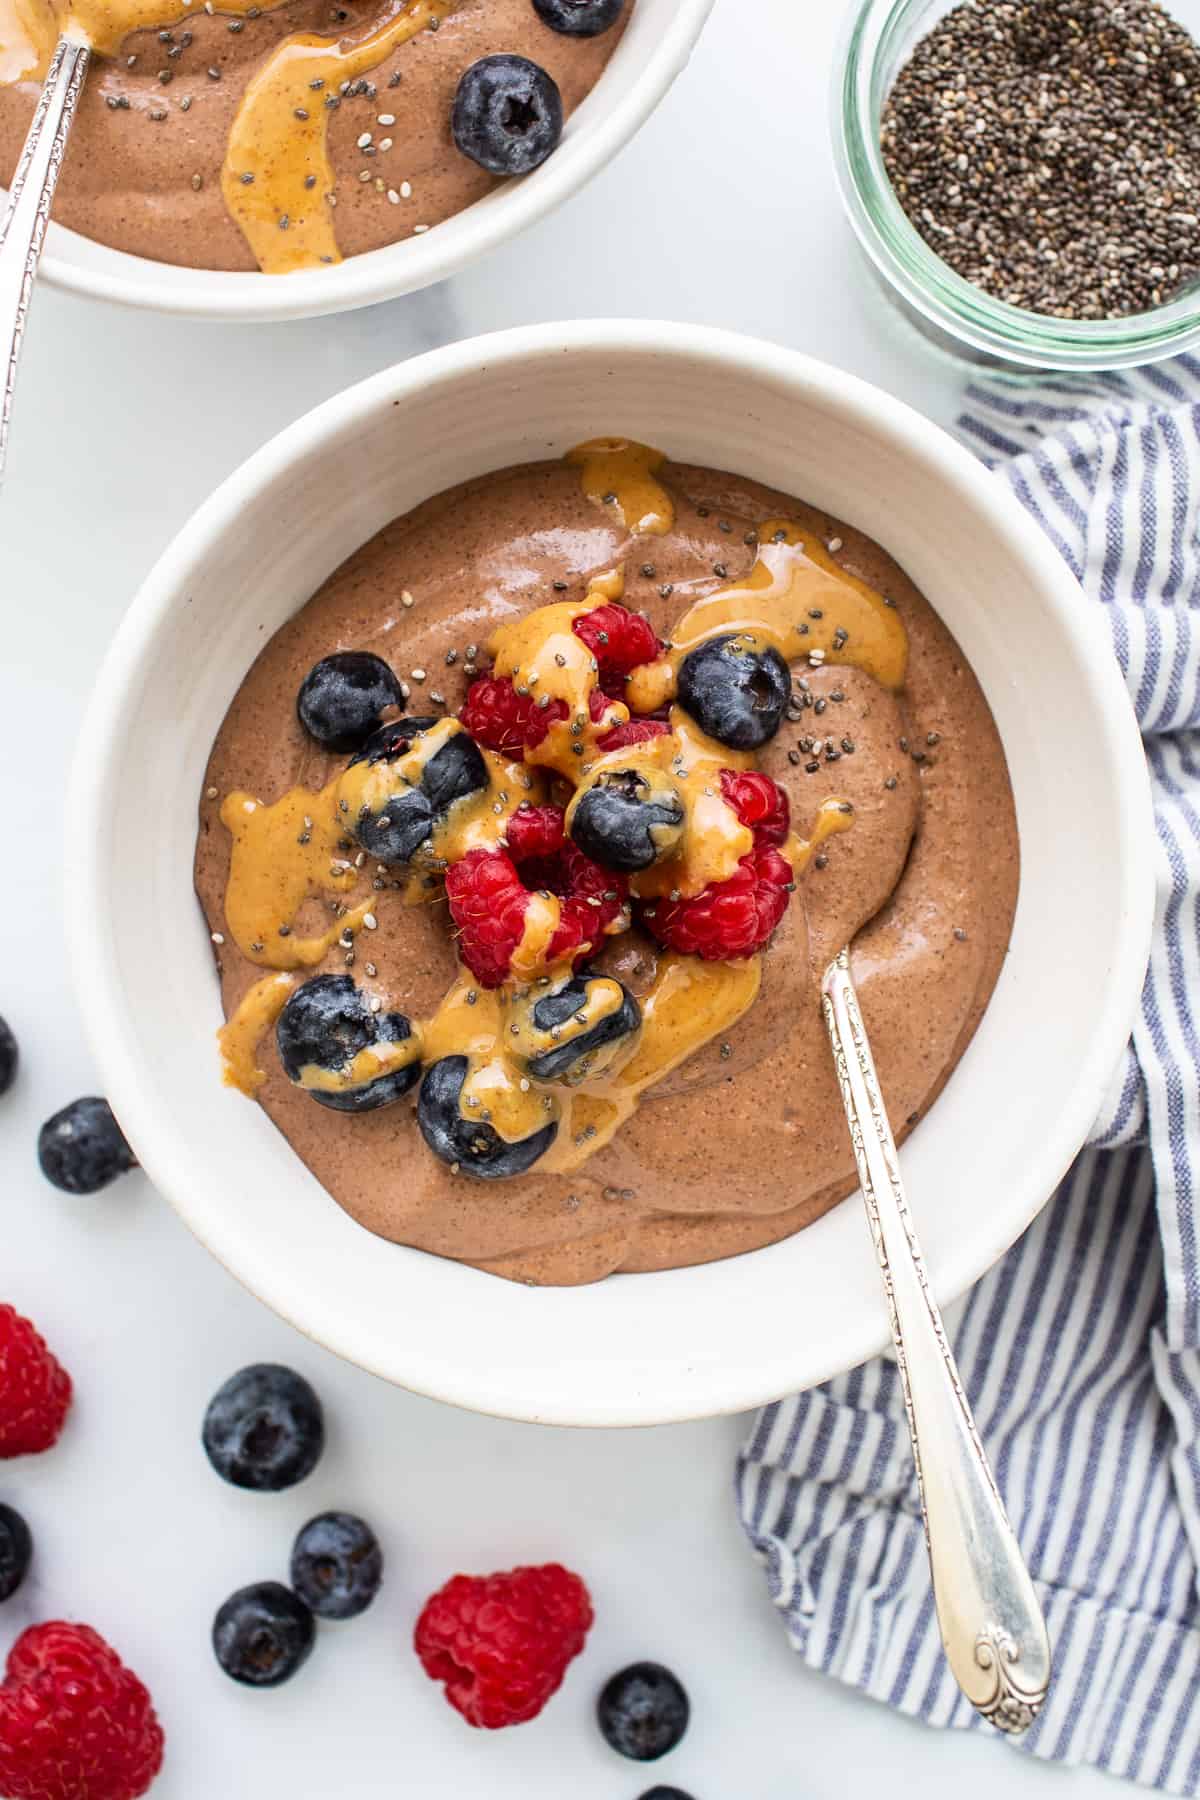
(959, 1264)
(393, 269)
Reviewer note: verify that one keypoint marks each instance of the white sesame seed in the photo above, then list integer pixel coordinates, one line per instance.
(210, 793)
(218, 937)
(386, 143)
(406, 190)
(376, 1005)
(406, 598)
(418, 229)
(364, 140)
(393, 197)
(364, 174)
(387, 118)
(417, 674)
(834, 545)
(370, 921)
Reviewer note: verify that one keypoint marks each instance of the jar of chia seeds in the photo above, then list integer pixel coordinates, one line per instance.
(877, 43)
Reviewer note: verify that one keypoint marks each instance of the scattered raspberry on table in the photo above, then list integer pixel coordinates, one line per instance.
(502, 1643)
(75, 1723)
(35, 1390)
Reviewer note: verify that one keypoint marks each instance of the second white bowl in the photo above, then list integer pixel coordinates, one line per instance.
(656, 44)
(646, 1348)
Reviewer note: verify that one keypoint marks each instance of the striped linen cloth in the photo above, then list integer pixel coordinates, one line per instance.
(1081, 1349)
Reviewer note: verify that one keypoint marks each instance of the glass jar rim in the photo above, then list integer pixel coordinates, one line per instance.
(928, 284)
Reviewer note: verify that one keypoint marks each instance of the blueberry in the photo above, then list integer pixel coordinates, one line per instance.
(394, 831)
(643, 1711)
(578, 18)
(507, 115)
(665, 1793)
(262, 1634)
(396, 828)
(82, 1148)
(472, 1144)
(454, 772)
(324, 1026)
(736, 694)
(16, 1551)
(337, 1565)
(558, 1012)
(264, 1429)
(342, 696)
(390, 741)
(9, 1057)
(627, 820)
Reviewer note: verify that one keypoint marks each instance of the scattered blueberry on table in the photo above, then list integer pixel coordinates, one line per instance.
(643, 1711)
(337, 1565)
(264, 1428)
(507, 115)
(9, 1057)
(16, 1550)
(82, 1148)
(262, 1634)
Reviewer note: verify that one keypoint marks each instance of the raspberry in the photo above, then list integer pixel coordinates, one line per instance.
(759, 803)
(488, 895)
(35, 1390)
(75, 1723)
(633, 731)
(535, 831)
(617, 638)
(504, 721)
(502, 1643)
(727, 918)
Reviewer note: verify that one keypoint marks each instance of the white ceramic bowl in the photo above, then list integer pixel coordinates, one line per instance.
(645, 1348)
(654, 48)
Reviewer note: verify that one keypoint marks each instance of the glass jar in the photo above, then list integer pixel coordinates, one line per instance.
(877, 39)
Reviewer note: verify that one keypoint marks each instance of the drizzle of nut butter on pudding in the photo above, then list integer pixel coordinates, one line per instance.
(620, 473)
(280, 141)
(241, 1035)
(796, 599)
(29, 29)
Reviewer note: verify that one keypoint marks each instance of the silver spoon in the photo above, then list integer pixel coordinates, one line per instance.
(991, 1624)
(28, 211)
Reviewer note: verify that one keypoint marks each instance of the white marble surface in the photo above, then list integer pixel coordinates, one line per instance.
(723, 211)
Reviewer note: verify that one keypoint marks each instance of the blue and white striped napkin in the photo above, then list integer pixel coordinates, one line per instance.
(1081, 1349)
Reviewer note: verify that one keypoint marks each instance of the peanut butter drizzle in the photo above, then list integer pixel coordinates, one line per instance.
(300, 846)
(29, 29)
(367, 1066)
(618, 472)
(280, 138)
(241, 1035)
(793, 578)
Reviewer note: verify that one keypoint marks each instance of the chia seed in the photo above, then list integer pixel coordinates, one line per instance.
(1049, 152)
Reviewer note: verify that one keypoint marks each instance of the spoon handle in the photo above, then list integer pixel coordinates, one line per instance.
(991, 1624)
(25, 218)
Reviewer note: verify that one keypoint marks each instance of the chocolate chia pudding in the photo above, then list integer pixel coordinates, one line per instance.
(537, 987)
(238, 136)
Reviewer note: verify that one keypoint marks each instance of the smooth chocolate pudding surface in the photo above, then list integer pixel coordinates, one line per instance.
(745, 1142)
(147, 157)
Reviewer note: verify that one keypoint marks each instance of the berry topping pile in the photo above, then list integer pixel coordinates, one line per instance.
(595, 780)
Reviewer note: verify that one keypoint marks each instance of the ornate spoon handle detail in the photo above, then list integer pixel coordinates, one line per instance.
(991, 1624)
(28, 211)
